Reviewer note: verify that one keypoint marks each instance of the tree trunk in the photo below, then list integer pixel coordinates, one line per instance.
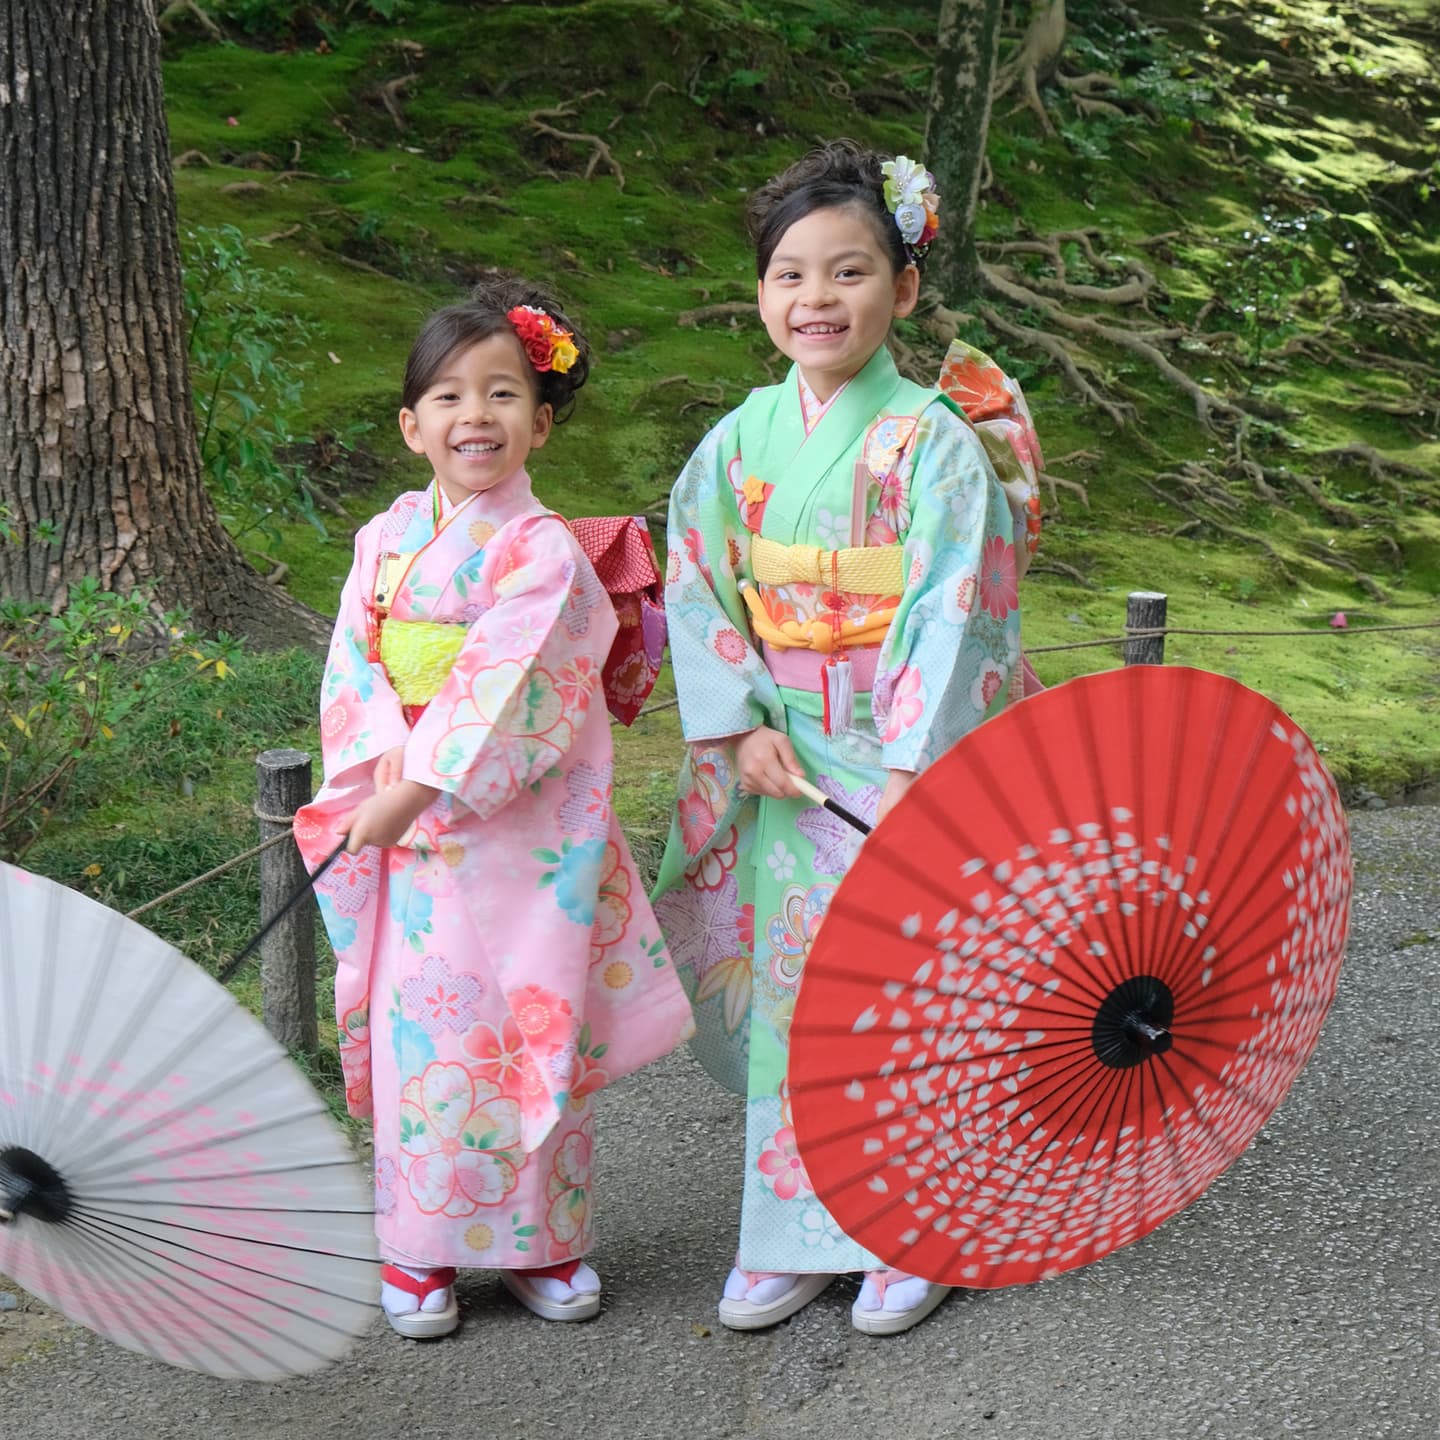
(956, 128)
(99, 465)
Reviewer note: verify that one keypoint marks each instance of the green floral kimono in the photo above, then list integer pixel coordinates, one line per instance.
(872, 525)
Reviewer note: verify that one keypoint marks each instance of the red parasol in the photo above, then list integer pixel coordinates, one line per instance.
(1069, 978)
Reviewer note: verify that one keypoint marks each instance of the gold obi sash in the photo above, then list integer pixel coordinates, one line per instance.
(856, 570)
(418, 656)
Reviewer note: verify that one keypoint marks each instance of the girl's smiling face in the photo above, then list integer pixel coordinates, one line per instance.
(829, 294)
(479, 418)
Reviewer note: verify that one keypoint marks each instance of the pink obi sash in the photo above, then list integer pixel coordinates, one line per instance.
(799, 669)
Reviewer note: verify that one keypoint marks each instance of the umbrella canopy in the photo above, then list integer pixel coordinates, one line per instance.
(1071, 975)
(167, 1176)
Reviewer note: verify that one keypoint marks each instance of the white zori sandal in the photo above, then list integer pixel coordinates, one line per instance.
(570, 1291)
(755, 1299)
(419, 1307)
(891, 1301)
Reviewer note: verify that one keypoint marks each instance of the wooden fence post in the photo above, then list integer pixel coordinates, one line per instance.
(1145, 610)
(287, 954)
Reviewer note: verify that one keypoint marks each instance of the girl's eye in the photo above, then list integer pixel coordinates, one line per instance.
(849, 273)
(503, 395)
(447, 396)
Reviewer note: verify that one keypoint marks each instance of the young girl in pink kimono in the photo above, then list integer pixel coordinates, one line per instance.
(841, 604)
(497, 960)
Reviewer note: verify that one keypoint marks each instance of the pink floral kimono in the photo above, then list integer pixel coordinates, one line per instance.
(502, 964)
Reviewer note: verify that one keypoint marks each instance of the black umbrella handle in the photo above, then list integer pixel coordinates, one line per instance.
(816, 794)
(228, 973)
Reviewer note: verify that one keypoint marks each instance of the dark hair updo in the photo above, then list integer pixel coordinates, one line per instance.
(836, 174)
(486, 313)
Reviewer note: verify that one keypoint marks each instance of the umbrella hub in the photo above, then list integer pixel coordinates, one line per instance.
(31, 1186)
(1133, 1022)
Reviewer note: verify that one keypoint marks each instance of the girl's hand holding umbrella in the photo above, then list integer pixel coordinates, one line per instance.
(386, 817)
(767, 764)
(895, 787)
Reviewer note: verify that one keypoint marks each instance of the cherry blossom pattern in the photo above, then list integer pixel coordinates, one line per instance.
(780, 1163)
(586, 809)
(544, 1018)
(972, 1139)
(354, 879)
(459, 1141)
(440, 1000)
(568, 1217)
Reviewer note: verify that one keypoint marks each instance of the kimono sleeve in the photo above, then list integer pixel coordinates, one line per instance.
(955, 638)
(524, 683)
(361, 716)
(723, 684)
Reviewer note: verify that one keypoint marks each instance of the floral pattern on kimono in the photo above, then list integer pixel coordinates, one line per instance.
(502, 964)
(746, 881)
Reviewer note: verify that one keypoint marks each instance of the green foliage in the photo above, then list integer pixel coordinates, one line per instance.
(249, 392)
(281, 20)
(71, 684)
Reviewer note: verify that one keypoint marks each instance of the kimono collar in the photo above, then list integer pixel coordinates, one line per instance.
(796, 463)
(502, 502)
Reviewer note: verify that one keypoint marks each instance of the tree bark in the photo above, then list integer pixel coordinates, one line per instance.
(99, 465)
(957, 125)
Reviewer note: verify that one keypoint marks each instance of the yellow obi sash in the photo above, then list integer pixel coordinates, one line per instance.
(856, 570)
(418, 656)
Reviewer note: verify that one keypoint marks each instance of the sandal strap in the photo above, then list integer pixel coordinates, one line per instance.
(435, 1280)
(754, 1277)
(880, 1279)
(564, 1272)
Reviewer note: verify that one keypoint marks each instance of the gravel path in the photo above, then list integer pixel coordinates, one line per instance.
(1298, 1297)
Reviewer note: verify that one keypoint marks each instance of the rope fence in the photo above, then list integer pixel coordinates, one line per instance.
(1159, 631)
(288, 954)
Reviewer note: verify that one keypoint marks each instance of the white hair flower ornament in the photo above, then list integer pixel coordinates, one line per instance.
(910, 197)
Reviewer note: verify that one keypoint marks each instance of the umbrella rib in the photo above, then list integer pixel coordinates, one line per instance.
(113, 1214)
(885, 925)
(90, 1202)
(1253, 953)
(915, 1107)
(248, 1174)
(1110, 1093)
(122, 1248)
(87, 1009)
(811, 1082)
(1261, 872)
(900, 1199)
(199, 1035)
(268, 1059)
(1167, 949)
(1097, 1088)
(113, 1234)
(113, 1264)
(1116, 976)
(248, 1132)
(1055, 1082)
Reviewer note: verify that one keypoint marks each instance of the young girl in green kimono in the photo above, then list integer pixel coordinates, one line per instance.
(841, 602)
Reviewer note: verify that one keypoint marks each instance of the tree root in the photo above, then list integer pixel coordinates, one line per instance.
(1119, 411)
(389, 94)
(190, 157)
(1059, 567)
(723, 310)
(601, 154)
(1209, 407)
(1035, 61)
(189, 7)
(1380, 467)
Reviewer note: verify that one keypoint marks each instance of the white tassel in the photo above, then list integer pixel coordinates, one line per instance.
(839, 693)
